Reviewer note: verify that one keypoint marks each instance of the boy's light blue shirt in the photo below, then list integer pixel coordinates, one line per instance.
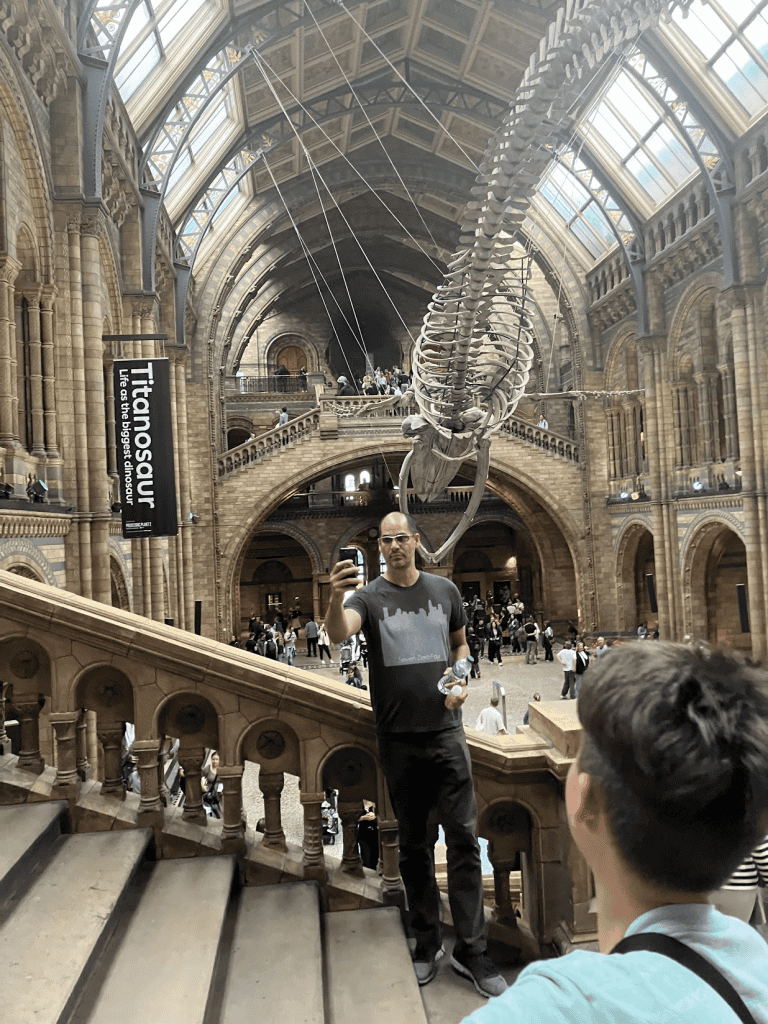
(642, 988)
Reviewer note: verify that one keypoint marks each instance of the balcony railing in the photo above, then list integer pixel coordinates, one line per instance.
(273, 383)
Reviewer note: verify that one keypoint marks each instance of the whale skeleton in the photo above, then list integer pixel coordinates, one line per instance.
(474, 353)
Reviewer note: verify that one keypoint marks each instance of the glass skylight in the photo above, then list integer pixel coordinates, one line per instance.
(576, 206)
(733, 42)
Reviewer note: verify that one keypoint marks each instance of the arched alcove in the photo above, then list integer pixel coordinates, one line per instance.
(276, 577)
(717, 585)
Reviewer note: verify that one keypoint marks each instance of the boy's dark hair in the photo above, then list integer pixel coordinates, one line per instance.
(676, 741)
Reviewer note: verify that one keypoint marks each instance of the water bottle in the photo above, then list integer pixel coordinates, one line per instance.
(450, 682)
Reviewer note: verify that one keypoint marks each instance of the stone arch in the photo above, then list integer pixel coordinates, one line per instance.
(21, 554)
(190, 718)
(27, 131)
(289, 529)
(503, 477)
(633, 534)
(120, 594)
(692, 296)
(293, 347)
(26, 665)
(704, 545)
(272, 744)
(107, 691)
(350, 769)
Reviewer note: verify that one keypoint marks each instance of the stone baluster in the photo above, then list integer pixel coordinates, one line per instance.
(112, 742)
(233, 829)
(314, 858)
(192, 763)
(64, 725)
(5, 742)
(81, 747)
(502, 859)
(163, 791)
(271, 786)
(151, 812)
(349, 812)
(389, 842)
(28, 709)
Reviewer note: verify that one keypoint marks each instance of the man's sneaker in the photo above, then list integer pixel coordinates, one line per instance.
(425, 963)
(480, 971)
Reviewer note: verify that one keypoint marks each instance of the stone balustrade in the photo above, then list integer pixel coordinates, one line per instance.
(63, 656)
(347, 416)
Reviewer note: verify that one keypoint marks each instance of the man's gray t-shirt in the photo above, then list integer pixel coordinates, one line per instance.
(407, 630)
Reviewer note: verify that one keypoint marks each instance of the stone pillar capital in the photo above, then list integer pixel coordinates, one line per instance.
(9, 269)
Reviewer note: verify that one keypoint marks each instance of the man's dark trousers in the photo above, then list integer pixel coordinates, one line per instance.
(426, 771)
(311, 646)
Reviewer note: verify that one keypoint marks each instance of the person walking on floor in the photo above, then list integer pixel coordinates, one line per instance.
(323, 644)
(310, 632)
(490, 721)
(531, 639)
(547, 639)
(415, 626)
(567, 658)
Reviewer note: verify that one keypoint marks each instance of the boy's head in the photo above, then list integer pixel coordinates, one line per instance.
(675, 743)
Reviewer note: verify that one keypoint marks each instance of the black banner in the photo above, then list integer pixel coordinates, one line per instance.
(145, 447)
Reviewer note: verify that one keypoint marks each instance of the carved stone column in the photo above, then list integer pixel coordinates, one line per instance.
(677, 414)
(314, 858)
(610, 425)
(64, 725)
(729, 412)
(112, 742)
(350, 812)
(233, 831)
(151, 811)
(192, 762)
(630, 421)
(49, 370)
(81, 747)
(706, 393)
(9, 269)
(5, 742)
(28, 709)
(503, 863)
(271, 786)
(37, 440)
(391, 882)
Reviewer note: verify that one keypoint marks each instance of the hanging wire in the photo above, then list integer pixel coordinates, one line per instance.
(349, 163)
(311, 163)
(370, 124)
(408, 85)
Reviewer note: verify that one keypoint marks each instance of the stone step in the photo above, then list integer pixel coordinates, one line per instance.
(275, 969)
(165, 960)
(369, 970)
(51, 940)
(29, 832)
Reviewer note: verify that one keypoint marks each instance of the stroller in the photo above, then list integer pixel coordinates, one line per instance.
(346, 655)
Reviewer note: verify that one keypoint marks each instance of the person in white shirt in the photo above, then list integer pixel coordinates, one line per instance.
(490, 721)
(567, 658)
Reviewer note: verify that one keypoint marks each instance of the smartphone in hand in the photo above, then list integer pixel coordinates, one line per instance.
(348, 553)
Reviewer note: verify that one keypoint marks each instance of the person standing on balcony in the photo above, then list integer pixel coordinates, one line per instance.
(414, 624)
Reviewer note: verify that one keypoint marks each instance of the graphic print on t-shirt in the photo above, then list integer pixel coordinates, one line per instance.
(410, 638)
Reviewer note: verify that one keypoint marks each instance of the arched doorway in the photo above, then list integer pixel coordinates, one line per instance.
(275, 579)
(636, 579)
(494, 557)
(719, 592)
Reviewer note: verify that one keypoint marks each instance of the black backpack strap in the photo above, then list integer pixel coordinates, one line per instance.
(655, 942)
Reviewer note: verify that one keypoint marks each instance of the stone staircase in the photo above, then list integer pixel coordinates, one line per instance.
(93, 929)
